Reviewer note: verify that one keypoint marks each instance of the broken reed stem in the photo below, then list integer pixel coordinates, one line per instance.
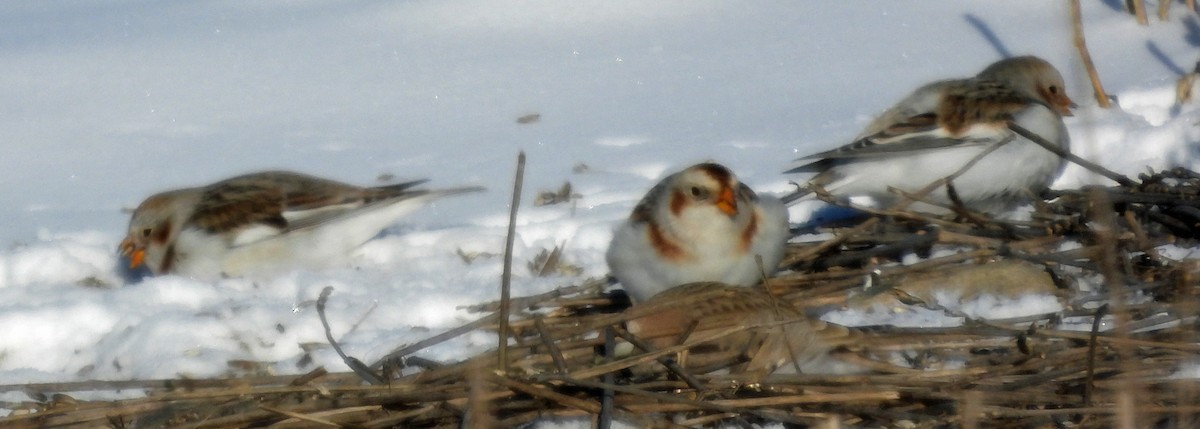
(666, 361)
(1105, 231)
(402, 352)
(1183, 88)
(1085, 56)
(1015, 384)
(596, 284)
(357, 366)
(479, 405)
(167, 384)
(544, 392)
(607, 396)
(305, 417)
(560, 364)
(506, 279)
(972, 401)
(1139, 10)
(1091, 355)
(689, 404)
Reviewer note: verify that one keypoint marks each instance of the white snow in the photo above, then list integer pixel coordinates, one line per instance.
(106, 102)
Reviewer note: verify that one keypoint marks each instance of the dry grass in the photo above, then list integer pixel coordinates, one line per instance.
(1036, 371)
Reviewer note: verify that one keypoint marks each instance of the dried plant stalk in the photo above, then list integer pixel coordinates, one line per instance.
(1183, 88)
(1139, 10)
(1085, 56)
(506, 279)
(1028, 371)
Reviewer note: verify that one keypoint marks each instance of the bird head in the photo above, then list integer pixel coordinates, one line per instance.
(151, 229)
(705, 185)
(1035, 78)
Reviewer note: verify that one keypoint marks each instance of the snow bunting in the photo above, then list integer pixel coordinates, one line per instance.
(263, 222)
(746, 322)
(699, 224)
(941, 127)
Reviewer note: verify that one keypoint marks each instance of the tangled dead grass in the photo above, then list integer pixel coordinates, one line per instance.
(1097, 251)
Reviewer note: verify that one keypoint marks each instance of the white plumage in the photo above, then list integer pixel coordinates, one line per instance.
(263, 223)
(699, 224)
(938, 129)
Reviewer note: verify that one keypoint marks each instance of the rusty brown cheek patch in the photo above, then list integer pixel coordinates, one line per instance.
(670, 251)
(678, 201)
(168, 262)
(161, 233)
(748, 233)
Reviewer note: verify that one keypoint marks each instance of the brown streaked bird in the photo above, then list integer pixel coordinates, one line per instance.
(700, 224)
(942, 126)
(264, 222)
(766, 335)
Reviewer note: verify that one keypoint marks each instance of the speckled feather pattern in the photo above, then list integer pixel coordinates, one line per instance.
(769, 333)
(938, 129)
(272, 219)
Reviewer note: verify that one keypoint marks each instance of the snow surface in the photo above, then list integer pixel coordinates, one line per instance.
(106, 102)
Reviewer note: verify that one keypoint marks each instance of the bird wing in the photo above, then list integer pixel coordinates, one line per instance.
(969, 112)
(708, 304)
(766, 330)
(284, 201)
(643, 212)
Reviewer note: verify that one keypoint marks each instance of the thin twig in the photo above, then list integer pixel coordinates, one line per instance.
(506, 279)
(403, 352)
(1139, 11)
(356, 365)
(1091, 355)
(302, 417)
(544, 392)
(670, 364)
(606, 393)
(701, 405)
(594, 284)
(1040, 141)
(1053, 372)
(1085, 56)
(559, 363)
(666, 361)
(361, 319)
(909, 199)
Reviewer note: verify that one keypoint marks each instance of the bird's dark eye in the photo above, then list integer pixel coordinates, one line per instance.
(1053, 89)
(146, 232)
(697, 192)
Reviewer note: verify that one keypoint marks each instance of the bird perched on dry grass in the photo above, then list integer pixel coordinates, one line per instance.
(264, 222)
(744, 326)
(943, 126)
(700, 224)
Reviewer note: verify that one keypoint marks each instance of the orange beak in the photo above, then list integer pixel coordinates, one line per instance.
(136, 255)
(726, 202)
(1064, 105)
(1058, 100)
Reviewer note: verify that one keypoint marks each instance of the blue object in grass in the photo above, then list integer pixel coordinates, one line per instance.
(829, 216)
